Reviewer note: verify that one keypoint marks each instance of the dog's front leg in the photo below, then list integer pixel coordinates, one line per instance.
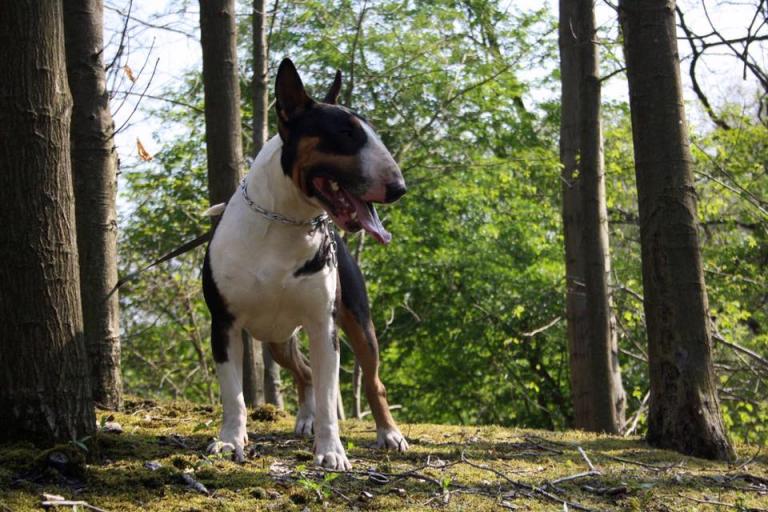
(234, 435)
(324, 359)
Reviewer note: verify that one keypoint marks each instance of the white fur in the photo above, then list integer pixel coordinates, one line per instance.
(377, 164)
(252, 261)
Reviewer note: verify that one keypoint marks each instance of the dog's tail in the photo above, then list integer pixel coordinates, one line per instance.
(184, 248)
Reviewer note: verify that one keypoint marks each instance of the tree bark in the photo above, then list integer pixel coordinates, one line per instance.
(260, 95)
(94, 169)
(254, 392)
(45, 392)
(684, 412)
(221, 84)
(260, 77)
(596, 388)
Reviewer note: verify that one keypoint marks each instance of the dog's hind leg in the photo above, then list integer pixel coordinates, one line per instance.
(233, 434)
(290, 357)
(366, 349)
(354, 317)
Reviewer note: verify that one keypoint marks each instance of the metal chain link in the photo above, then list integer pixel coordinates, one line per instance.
(315, 222)
(322, 221)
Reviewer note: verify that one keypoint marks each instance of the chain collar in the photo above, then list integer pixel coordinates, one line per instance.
(322, 222)
(314, 223)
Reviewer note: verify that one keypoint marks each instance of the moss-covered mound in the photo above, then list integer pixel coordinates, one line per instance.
(158, 462)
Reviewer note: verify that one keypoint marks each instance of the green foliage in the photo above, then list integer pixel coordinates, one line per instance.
(476, 264)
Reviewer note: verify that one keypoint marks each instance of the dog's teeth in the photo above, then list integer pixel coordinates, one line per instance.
(334, 186)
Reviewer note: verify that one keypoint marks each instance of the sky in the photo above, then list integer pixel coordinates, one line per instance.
(165, 53)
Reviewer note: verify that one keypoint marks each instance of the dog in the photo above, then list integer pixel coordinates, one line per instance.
(274, 264)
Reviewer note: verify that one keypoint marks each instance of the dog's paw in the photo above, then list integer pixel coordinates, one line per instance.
(219, 447)
(305, 421)
(391, 439)
(331, 455)
(230, 442)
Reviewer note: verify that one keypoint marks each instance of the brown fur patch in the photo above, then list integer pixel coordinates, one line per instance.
(307, 156)
(306, 148)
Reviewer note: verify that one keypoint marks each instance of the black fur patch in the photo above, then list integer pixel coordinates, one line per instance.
(353, 293)
(221, 318)
(339, 130)
(318, 261)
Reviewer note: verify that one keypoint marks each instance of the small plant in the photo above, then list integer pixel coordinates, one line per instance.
(323, 489)
(80, 443)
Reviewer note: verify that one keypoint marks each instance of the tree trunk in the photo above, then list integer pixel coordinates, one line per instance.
(357, 384)
(684, 412)
(45, 392)
(260, 88)
(221, 84)
(94, 169)
(218, 28)
(260, 77)
(597, 393)
(273, 383)
(254, 392)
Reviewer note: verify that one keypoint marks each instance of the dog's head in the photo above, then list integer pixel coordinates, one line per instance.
(334, 156)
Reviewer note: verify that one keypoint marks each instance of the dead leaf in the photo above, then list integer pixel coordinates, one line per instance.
(143, 153)
(129, 73)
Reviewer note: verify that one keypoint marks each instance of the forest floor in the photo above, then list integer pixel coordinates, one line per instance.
(158, 462)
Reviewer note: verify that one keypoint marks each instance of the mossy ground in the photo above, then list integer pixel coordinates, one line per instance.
(441, 471)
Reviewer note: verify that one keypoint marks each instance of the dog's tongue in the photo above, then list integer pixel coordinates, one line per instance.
(369, 219)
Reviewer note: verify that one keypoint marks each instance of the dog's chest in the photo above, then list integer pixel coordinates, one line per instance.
(256, 274)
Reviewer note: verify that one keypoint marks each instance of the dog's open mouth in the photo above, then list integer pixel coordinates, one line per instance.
(348, 211)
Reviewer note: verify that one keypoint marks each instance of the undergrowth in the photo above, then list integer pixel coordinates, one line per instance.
(158, 462)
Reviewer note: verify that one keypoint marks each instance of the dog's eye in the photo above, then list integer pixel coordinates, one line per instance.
(347, 132)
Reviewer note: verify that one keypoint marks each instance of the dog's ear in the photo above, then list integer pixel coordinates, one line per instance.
(332, 96)
(291, 98)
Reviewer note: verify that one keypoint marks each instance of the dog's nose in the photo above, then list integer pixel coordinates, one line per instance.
(395, 191)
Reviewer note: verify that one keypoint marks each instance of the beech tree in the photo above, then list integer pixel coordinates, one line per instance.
(684, 412)
(596, 389)
(45, 392)
(94, 170)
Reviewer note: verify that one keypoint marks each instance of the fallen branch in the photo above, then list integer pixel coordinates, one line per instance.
(738, 506)
(592, 471)
(54, 500)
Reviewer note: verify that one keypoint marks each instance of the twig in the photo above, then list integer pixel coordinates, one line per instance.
(71, 503)
(572, 477)
(532, 440)
(641, 464)
(121, 45)
(586, 459)
(543, 328)
(341, 495)
(721, 503)
(761, 360)
(636, 417)
(527, 487)
(138, 102)
(749, 460)
(592, 471)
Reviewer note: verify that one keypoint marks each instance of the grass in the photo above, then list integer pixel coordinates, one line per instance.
(158, 462)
